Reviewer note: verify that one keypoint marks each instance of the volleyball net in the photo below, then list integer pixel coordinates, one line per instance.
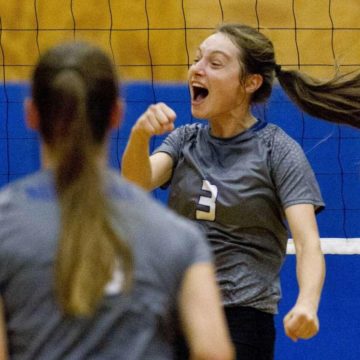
(153, 42)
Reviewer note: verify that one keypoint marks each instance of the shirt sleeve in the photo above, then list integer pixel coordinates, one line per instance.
(199, 251)
(191, 249)
(294, 178)
(188, 243)
(179, 249)
(4, 232)
(173, 144)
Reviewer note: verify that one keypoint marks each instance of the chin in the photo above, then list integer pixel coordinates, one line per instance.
(196, 113)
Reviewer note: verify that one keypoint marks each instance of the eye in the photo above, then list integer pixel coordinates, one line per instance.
(216, 62)
(197, 57)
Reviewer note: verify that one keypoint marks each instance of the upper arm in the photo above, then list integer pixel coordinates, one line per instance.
(161, 169)
(302, 224)
(293, 177)
(167, 155)
(202, 316)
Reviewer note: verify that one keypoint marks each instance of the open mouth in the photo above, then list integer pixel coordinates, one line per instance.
(199, 93)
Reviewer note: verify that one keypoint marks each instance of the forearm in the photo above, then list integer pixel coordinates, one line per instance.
(302, 322)
(310, 270)
(310, 264)
(135, 165)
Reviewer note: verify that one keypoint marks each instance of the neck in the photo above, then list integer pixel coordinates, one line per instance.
(231, 126)
(48, 159)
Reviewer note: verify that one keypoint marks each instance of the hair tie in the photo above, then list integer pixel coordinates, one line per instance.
(277, 70)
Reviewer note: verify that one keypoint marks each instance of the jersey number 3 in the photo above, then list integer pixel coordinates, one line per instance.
(208, 201)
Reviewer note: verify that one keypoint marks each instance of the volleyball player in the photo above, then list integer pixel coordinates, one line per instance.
(241, 179)
(90, 266)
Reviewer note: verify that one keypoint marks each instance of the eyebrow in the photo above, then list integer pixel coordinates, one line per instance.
(215, 52)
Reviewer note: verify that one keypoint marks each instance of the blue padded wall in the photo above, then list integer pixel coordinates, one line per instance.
(334, 153)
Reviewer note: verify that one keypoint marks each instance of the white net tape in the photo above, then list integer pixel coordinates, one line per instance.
(338, 246)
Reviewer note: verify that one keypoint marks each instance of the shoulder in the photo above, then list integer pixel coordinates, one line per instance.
(27, 212)
(33, 186)
(191, 128)
(271, 132)
(179, 138)
(189, 131)
(6, 196)
(277, 139)
(27, 193)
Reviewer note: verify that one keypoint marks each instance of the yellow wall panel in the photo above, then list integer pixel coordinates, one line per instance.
(17, 14)
(239, 11)
(164, 34)
(202, 13)
(275, 14)
(130, 47)
(91, 14)
(347, 49)
(135, 73)
(284, 45)
(128, 14)
(165, 14)
(312, 14)
(53, 14)
(168, 47)
(315, 49)
(346, 14)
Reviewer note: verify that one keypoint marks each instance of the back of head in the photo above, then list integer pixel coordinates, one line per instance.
(75, 90)
(70, 70)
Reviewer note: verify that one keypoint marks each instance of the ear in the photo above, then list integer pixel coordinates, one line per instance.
(116, 114)
(32, 118)
(253, 82)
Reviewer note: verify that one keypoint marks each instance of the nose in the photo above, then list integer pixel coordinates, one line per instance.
(198, 67)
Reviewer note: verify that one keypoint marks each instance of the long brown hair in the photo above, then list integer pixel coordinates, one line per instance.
(336, 100)
(75, 89)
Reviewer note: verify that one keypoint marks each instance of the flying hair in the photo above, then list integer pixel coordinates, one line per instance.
(336, 100)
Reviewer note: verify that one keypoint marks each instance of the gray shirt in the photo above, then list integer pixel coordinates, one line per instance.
(133, 326)
(236, 189)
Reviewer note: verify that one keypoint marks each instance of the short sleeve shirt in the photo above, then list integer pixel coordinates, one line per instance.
(126, 326)
(236, 189)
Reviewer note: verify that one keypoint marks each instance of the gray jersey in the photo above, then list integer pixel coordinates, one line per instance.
(133, 326)
(237, 189)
